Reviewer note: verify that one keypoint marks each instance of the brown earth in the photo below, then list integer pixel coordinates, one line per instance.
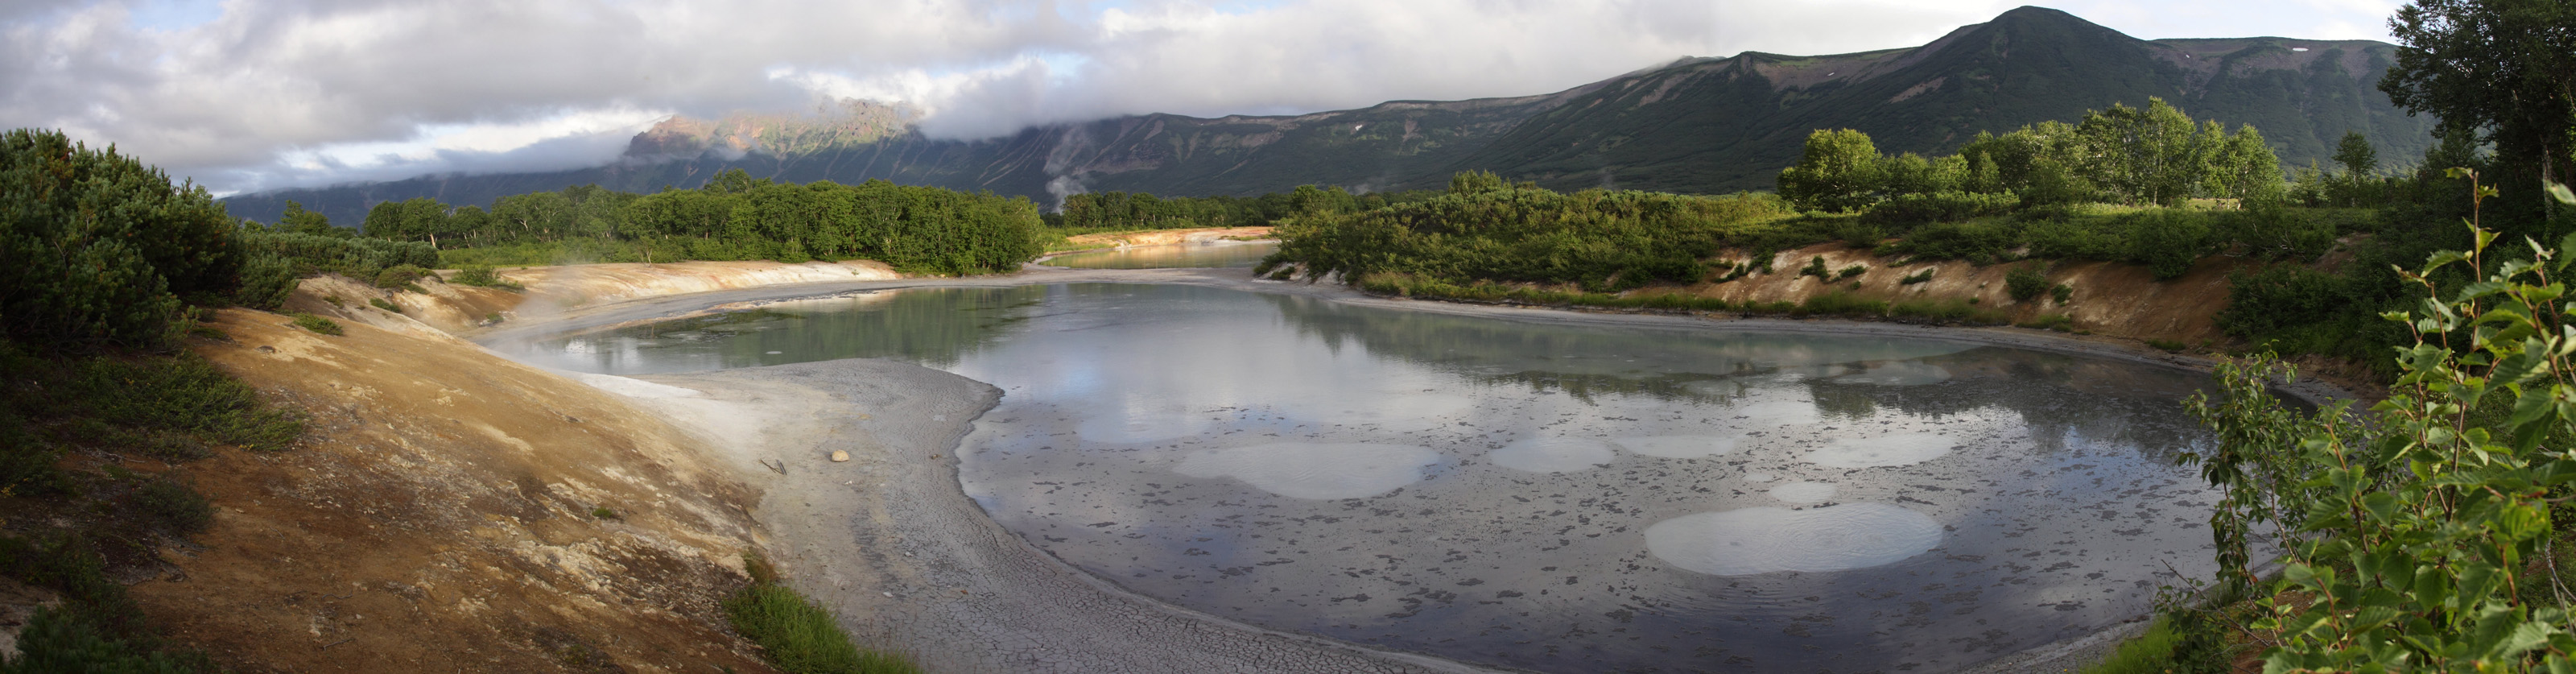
(443, 513)
(2110, 299)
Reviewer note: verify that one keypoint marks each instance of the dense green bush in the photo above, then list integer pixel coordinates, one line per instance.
(2168, 242)
(2280, 297)
(358, 258)
(1907, 211)
(2025, 283)
(401, 276)
(1980, 241)
(1602, 240)
(96, 248)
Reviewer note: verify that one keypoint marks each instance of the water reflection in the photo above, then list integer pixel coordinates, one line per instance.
(1551, 497)
(1171, 256)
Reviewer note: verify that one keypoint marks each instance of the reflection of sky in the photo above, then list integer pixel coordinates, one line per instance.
(1211, 448)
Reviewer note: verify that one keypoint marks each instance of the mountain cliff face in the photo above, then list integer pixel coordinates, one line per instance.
(1695, 125)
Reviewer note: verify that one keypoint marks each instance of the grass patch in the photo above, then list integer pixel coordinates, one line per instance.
(481, 276)
(2058, 322)
(1946, 311)
(380, 303)
(317, 324)
(2167, 345)
(796, 634)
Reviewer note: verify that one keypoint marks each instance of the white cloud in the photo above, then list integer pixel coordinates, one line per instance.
(254, 94)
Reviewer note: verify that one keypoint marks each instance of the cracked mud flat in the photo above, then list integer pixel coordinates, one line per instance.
(1579, 464)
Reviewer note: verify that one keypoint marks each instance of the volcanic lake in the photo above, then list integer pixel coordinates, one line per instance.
(1552, 496)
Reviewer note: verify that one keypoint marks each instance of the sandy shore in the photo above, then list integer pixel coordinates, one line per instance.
(891, 542)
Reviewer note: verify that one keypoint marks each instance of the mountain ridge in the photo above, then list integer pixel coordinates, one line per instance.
(1695, 124)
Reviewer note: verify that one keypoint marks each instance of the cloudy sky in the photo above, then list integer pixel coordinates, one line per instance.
(246, 95)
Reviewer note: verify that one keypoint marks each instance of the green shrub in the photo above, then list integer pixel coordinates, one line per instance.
(1924, 276)
(401, 276)
(2057, 322)
(1980, 241)
(1945, 311)
(2090, 238)
(1851, 271)
(1840, 303)
(1816, 268)
(102, 249)
(316, 324)
(69, 640)
(2025, 283)
(482, 276)
(2277, 298)
(2277, 232)
(380, 303)
(173, 506)
(266, 279)
(183, 393)
(1907, 211)
(2168, 242)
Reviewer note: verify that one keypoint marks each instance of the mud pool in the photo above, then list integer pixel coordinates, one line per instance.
(1553, 497)
(1169, 256)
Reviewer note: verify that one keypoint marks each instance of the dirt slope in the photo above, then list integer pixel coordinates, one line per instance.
(440, 517)
(2114, 299)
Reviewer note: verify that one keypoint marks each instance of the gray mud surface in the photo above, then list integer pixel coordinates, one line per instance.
(891, 542)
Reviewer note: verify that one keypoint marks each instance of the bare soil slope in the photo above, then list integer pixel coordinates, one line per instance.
(443, 514)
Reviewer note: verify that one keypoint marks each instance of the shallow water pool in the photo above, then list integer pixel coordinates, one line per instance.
(1552, 497)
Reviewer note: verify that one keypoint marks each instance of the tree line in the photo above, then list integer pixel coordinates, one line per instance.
(2153, 155)
(1138, 210)
(734, 217)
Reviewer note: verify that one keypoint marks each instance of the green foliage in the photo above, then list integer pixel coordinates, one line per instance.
(362, 259)
(1907, 211)
(1816, 268)
(2279, 297)
(482, 276)
(1839, 303)
(2025, 283)
(1924, 276)
(380, 303)
(915, 229)
(1602, 240)
(266, 278)
(2168, 243)
(1945, 311)
(1840, 171)
(96, 629)
(172, 506)
(181, 393)
(316, 324)
(99, 249)
(401, 276)
(2413, 535)
(2497, 70)
(798, 636)
(1851, 271)
(57, 640)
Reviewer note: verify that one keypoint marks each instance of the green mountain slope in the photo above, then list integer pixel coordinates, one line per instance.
(1695, 125)
(1713, 125)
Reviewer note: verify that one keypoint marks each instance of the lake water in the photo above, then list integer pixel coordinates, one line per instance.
(1552, 497)
(1200, 254)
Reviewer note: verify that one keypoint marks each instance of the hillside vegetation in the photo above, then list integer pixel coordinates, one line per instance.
(1695, 125)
